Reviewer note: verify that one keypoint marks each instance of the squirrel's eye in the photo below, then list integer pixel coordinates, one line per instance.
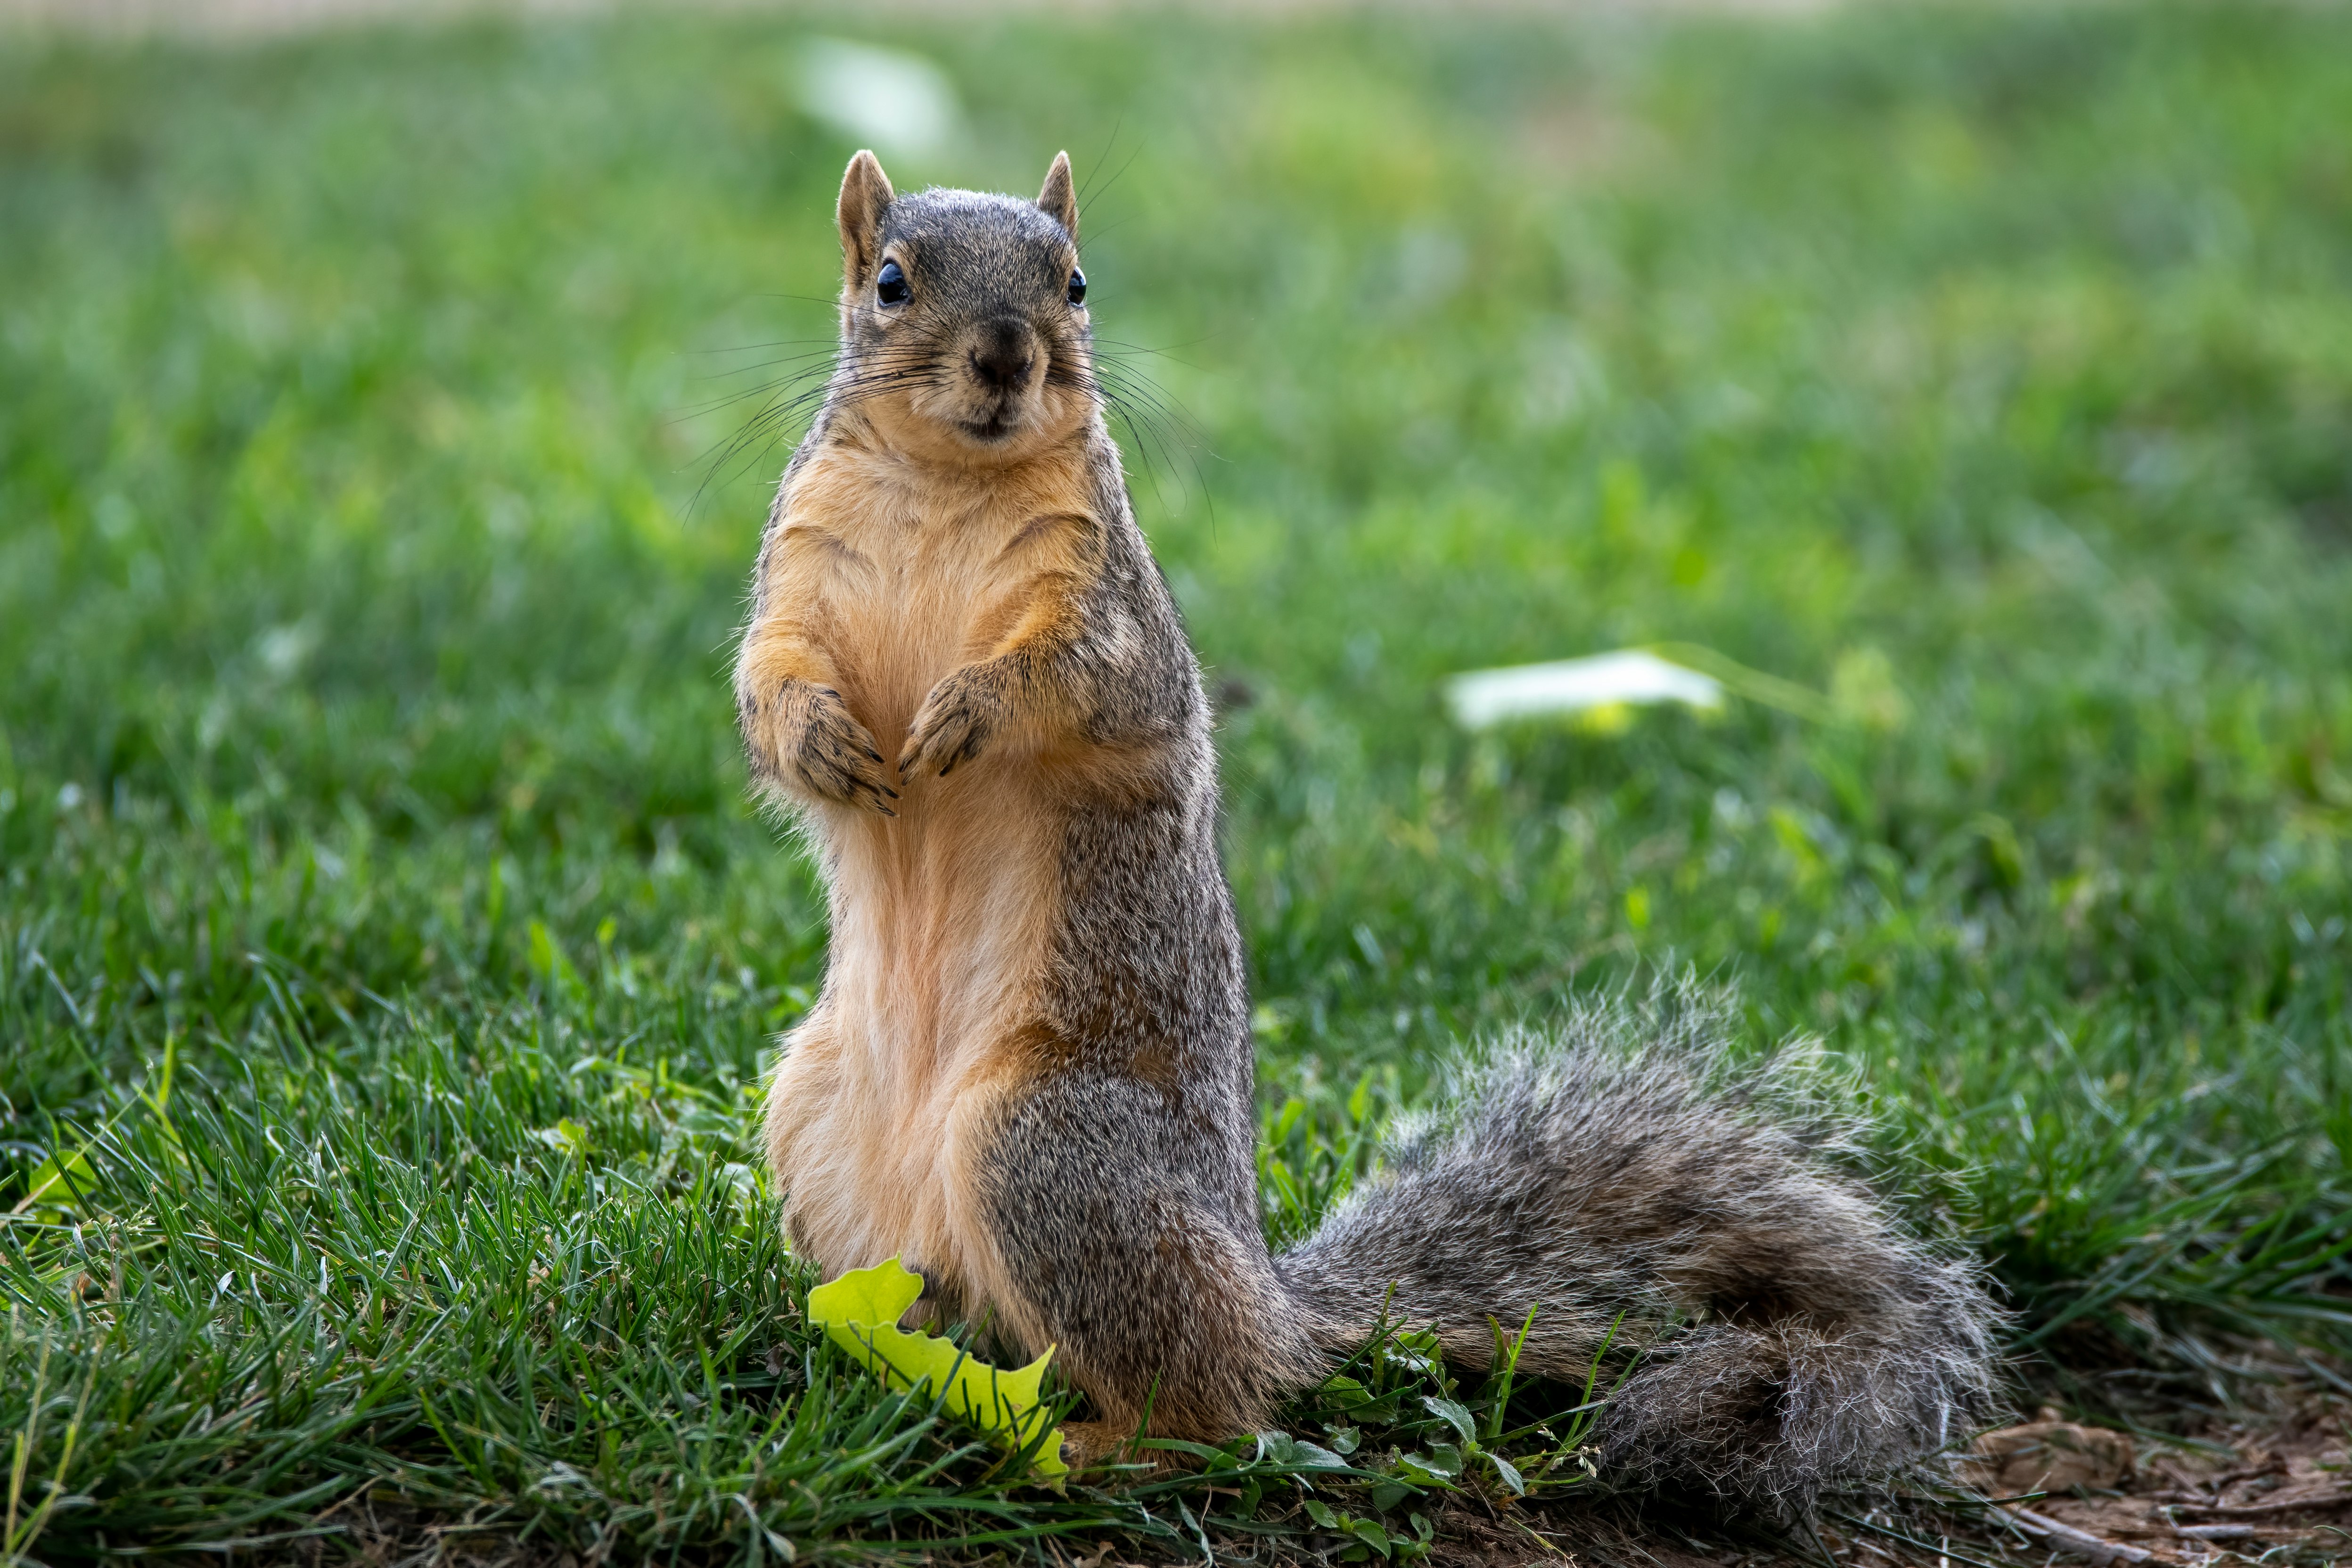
(1078, 287)
(890, 285)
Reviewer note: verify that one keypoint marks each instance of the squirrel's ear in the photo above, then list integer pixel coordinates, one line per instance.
(1058, 199)
(865, 193)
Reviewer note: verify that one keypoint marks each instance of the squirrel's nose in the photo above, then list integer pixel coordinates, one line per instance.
(1003, 355)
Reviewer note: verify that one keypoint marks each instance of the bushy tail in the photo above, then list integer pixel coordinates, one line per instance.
(1790, 1334)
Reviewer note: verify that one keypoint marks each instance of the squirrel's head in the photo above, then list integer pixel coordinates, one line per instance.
(964, 316)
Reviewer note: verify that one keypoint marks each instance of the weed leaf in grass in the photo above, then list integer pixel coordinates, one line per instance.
(58, 1183)
(860, 1313)
(1295, 1454)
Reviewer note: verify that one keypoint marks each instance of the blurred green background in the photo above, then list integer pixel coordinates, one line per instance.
(381, 465)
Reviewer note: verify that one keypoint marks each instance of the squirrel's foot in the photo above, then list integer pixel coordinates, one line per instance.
(1085, 1444)
(834, 755)
(953, 725)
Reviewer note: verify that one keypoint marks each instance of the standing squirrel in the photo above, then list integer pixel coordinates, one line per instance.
(1030, 1074)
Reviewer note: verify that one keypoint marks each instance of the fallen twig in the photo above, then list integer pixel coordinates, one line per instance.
(2249, 1510)
(2081, 1543)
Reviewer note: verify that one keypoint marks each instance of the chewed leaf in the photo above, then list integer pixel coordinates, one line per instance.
(860, 1313)
(878, 1295)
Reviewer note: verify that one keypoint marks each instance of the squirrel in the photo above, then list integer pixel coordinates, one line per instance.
(1030, 1071)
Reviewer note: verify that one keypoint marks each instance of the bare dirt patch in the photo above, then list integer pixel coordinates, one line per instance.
(2271, 1485)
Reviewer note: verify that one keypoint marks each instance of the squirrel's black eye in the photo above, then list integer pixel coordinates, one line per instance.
(890, 285)
(1078, 287)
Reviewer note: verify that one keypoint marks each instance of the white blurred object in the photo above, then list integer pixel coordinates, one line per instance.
(1486, 697)
(891, 102)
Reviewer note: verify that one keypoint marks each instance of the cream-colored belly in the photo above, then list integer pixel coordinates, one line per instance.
(942, 921)
(937, 956)
(943, 916)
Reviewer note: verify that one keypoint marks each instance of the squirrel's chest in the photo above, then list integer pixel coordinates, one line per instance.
(903, 589)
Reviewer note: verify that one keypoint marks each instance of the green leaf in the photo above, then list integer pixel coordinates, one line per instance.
(59, 1183)
(1508, 1473)
(1293, 1454)
(1452, 1415)
(548, 962)
(1321, 1514)
(542, 949)
(566, 1136)
(1371, 1534)
(860, 1311)
(1442, 1463)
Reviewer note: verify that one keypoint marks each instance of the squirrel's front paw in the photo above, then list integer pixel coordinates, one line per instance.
(830, 752)
(953, 725)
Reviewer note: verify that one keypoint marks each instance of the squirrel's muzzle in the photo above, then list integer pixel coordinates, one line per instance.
(1002, 355)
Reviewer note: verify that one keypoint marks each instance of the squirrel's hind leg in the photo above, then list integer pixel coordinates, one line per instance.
(1152, 1282)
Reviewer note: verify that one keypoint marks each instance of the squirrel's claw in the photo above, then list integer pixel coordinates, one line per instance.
(835, 759)
(949, 730)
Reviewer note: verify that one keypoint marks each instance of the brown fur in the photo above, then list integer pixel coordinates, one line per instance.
(1029, 1075)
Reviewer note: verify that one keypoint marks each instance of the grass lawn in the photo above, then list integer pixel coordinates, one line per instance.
(389, 958)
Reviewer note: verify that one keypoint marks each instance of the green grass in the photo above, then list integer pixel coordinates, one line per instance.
(382, 920)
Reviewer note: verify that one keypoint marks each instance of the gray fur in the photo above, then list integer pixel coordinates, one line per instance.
(1615, 1177)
